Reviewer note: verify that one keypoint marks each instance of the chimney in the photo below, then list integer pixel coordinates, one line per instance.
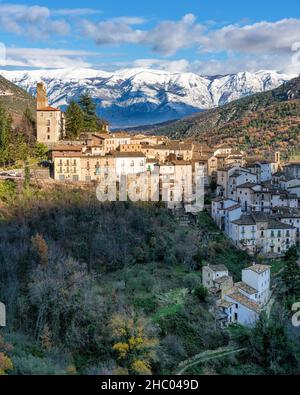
(41, 97)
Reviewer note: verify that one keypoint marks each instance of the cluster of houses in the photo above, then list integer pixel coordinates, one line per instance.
(241, 302)
(181, 168)
(257, 206)
(257, 203)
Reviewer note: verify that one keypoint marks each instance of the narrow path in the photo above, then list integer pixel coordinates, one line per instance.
(207, 356)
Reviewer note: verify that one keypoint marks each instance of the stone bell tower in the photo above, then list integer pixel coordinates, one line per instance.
(41, 96)
(50, 120)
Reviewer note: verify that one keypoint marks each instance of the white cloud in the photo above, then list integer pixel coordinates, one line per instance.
(76, 12)
(180, 65)
(166, 38)
(112, 32)
(259, 38)
(35, 21)
(48, 58)
(248, 47)
(232, 48)
(129, 20)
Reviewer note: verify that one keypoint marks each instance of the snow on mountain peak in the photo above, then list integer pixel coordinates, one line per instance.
(132, 97)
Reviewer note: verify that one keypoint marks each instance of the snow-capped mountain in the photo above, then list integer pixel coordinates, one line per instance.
(134, 97)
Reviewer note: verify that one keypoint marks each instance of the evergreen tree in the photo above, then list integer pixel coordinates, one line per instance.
(88, 107)
(26, 175)
(75, 120)
(5, 129)
(270, 346)
(28, 125)
(291, 278)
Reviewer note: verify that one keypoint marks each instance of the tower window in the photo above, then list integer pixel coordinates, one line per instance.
(48, 136)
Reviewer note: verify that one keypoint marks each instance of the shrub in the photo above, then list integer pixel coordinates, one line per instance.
(201, 292)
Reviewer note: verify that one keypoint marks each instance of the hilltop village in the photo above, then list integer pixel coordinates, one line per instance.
(215, 259)
(256, 203)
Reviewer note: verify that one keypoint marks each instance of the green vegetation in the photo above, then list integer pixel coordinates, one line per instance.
(16, 101)
(72, 267)
(74, 120)
(98, 288)
(259, 124)
(82, 117)
(18, 144)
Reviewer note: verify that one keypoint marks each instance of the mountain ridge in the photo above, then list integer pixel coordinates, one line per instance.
(262, 122)
(132, 97)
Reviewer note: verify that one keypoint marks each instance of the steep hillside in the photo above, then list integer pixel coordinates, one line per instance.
(15, 100)
(265, 120)
(132, 97)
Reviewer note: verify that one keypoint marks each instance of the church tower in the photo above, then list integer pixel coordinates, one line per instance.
(50, 120)
(41, 96)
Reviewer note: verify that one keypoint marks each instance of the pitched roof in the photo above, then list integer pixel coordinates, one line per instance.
(244, 220)
(258, 268)
(232, 208)
(247, 185)
(118, 154)
(246, 288)
(221, 280)
(67, 148)
(48, 108)
(181, 162)
(255, 217)
(218, 268)
(225, 303)
(242, 299)
(68, 155)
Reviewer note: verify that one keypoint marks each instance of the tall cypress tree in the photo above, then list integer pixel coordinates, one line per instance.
(5, 134)
(75, 123)
(5, 129)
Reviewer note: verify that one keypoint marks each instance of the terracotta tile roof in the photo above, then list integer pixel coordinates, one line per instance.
(247, 185)
(246, 288)
(218, 199)
(48, 108)
(221, 280)
(181, 162)
(68, 155)
(259, 268)
(226, 304)
(244, 220)
(218, 268)
(67, 148)
(118, 154)
(242, 299)
(231, 208)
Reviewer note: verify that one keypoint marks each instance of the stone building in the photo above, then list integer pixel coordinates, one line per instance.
(240, 302)
(50, 120)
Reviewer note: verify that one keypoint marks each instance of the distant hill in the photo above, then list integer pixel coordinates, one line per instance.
(264, 121)
(15, 100)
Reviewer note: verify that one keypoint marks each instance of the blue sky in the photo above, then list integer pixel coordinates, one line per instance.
(206, 37)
